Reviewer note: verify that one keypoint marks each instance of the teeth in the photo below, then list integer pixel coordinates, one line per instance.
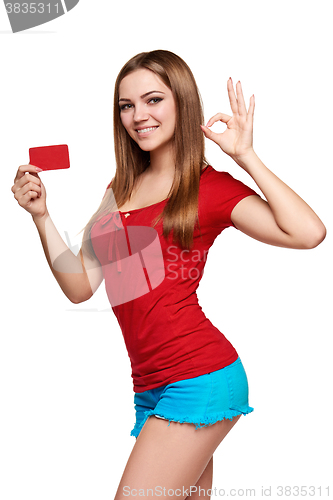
(142, 131)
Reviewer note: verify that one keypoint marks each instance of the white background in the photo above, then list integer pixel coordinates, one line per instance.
(66, 392)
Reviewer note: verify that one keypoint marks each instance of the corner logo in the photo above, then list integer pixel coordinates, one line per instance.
(24, 15)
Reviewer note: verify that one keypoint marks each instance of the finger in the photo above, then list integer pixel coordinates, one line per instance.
(24, 180)
(251, 109)
(218, 117)
(209, 134)
(232, 97)
(33, 177)
(26, 188)
(25, 200)
(26, 168)
(240, 99)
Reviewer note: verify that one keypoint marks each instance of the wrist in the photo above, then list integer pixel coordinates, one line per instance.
(245, 159)
(40, 218)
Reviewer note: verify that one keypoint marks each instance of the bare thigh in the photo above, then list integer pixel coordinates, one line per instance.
(202, 488)
(170, 458)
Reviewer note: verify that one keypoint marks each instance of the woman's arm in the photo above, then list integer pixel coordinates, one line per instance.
(284, 219)
(78, 276)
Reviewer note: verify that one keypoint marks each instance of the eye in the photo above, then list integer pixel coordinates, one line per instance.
(155, 100)
(124, 106)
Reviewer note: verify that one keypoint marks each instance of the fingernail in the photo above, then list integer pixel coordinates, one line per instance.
(39, 169)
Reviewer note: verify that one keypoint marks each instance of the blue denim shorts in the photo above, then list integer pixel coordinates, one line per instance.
(201, 400)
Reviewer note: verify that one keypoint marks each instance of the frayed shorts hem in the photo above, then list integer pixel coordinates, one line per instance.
(198, 422)
(202, 400)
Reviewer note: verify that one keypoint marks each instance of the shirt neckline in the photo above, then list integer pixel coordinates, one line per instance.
(154, 204)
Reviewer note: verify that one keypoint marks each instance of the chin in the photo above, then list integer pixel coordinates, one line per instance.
(146, 146)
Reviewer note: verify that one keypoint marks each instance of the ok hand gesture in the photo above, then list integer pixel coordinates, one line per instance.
(236, 141)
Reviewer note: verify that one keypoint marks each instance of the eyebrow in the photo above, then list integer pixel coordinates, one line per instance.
(142, 96)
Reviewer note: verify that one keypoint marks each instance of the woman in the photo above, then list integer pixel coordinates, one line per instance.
(189, 383)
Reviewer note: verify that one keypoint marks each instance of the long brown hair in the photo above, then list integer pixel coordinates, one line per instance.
(181, 211)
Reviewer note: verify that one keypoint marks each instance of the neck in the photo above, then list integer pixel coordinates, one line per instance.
(162, 163)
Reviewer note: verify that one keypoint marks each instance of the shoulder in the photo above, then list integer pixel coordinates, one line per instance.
(220, 193)
(212, 173)
(222, 181)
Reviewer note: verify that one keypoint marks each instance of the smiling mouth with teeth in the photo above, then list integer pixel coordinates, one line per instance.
(145, 130)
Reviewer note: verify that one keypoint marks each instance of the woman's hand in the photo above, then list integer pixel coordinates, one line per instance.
(236, 141)
(29, 191)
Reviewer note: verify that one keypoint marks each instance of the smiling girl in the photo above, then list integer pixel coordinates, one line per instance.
(190, 387)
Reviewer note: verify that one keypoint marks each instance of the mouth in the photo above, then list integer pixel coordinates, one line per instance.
(146, 131)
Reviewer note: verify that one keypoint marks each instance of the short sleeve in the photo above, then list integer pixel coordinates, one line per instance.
(224, 193)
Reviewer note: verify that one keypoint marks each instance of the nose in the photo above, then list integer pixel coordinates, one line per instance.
(140, 113)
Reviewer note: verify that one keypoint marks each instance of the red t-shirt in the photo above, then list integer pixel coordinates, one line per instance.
(151, 284)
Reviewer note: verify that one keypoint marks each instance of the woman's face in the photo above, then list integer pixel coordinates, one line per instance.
(147, 110)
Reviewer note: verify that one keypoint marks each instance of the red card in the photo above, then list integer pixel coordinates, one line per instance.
(50, 157)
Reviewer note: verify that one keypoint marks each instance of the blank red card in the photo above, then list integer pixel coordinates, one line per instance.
(50, 157)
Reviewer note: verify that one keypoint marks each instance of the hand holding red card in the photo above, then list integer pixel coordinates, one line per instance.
(50, 157)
